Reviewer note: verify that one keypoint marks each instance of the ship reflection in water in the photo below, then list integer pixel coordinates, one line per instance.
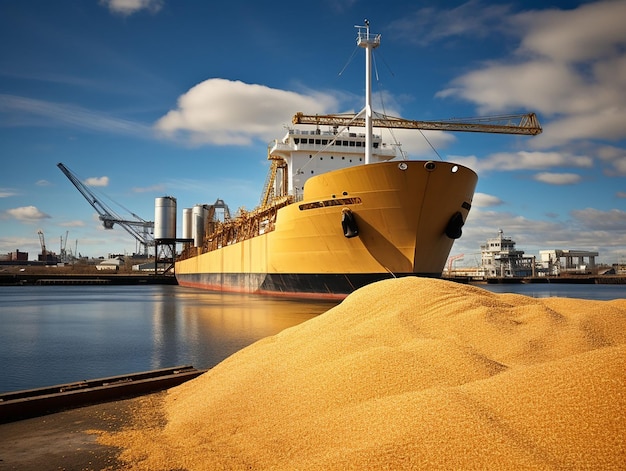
(59, 334)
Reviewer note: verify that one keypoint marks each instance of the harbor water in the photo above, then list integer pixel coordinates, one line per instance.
(58, 334)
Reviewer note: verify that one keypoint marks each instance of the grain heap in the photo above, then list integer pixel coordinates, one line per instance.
(406, 374)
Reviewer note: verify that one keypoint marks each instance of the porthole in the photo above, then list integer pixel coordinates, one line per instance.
(430, 166)
(455, 169)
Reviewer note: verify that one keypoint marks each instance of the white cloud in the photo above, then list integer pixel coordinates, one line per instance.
(570, 67)
(483, 200)
(557, 178)
(27, 214)
(97, 181)
(128, 7)
(471, 18)
(588, 229)
(7, 192)
(21, 111)
(591, 31)
(524, 160)
(615, 158)
(597, 220)
(76, 223)
(225, 112)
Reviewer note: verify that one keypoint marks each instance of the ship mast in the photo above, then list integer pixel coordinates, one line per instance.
(368, 42)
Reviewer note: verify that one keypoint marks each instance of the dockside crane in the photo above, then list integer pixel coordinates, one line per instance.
(524, 124)
(42, 242)
(140, 229)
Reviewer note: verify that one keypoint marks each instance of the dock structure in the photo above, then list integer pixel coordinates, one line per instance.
(561, 261)
(18, 405)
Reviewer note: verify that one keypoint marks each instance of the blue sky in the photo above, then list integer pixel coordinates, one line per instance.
(147, 98)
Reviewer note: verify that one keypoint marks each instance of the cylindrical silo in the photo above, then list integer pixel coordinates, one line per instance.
(165, 218)
(198, 218)
(187, 224)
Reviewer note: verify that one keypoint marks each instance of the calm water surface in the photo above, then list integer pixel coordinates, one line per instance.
(58, 334)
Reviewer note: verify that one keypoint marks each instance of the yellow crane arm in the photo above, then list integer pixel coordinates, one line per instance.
(526, 124)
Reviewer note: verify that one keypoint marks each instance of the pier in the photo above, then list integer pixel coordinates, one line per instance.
(17, 279)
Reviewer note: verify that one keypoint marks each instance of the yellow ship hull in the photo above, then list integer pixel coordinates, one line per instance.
(407, 215)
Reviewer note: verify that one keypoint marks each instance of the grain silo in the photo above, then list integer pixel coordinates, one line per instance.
(187, 223)
(165, 218)
(199, 215)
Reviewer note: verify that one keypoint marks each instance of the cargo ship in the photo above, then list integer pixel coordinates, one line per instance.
(340, 209)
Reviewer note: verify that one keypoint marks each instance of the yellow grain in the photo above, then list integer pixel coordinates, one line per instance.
(408, 373)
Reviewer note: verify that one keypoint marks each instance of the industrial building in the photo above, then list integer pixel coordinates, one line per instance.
(500, 258)
(559, 261)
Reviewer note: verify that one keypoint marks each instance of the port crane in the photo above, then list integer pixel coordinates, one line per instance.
(42, 242)
(140, 229)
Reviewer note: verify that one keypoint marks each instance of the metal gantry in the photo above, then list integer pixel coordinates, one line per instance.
(139, 228)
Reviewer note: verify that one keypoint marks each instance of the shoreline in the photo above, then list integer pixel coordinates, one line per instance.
(30, 279)
(20, 279)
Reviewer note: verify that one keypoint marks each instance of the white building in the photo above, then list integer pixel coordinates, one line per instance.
(499, 258)
(558, 261)
(110, 264)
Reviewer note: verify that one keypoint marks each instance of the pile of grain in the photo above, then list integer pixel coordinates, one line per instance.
(406, 374)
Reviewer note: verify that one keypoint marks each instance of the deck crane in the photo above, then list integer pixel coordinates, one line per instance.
(140, 229)
(525, 124)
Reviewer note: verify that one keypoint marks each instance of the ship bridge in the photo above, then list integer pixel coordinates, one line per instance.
(307, 153)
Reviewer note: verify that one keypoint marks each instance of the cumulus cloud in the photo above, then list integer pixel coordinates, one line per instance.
(97, 181)
(590, 31)
(615, 158)
(570, 67)
(225, 112)
(595, 219)
(128, 7)
(27, 214)
(483, 200)
(557, 178)
(525, 160)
